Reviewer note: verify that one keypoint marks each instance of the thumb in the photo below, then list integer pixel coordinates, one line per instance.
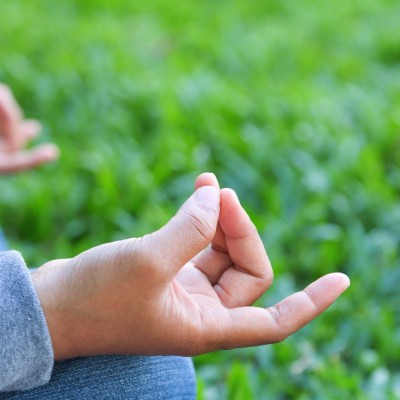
(186, 234)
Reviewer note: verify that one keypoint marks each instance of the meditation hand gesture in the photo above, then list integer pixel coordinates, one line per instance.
(15, 133)
(185, 289)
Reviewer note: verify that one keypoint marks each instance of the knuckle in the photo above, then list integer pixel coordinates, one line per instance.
(200, 225)
(264, 280)
(313, 306)
(190, 341)
(204, 334)
(268, 278)
(269, 271)
(219, 336)
(280, 330)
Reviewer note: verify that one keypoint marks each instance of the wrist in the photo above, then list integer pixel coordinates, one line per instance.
(56, 315)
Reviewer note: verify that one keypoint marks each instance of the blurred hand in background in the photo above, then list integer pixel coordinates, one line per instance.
(15, 134)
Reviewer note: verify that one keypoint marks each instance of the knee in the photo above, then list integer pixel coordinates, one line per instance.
(130, 377)
(117, 377)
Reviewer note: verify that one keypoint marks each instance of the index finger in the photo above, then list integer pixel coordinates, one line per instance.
(251, 273)
(254, 326)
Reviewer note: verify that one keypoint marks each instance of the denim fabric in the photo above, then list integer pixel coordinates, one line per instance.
(117, 377)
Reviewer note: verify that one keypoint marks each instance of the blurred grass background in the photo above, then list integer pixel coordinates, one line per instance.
(295, 105)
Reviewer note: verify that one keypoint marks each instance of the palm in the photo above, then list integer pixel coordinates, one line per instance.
(196, 284)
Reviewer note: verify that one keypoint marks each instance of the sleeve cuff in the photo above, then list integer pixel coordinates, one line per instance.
(26, 352)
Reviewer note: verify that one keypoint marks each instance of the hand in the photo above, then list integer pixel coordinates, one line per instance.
(183, 290)
(15, 133)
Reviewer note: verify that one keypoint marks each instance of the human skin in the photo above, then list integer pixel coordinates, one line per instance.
(15, 134)
(185, 289)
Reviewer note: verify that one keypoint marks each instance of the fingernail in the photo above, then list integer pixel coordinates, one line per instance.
(347, 280)
(208, 195)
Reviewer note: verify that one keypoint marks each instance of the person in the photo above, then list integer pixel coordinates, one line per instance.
(121, 319)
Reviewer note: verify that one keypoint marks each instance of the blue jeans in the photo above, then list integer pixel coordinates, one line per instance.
(115, 377)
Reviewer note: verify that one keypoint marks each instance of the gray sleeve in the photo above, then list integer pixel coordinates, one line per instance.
(26, 353)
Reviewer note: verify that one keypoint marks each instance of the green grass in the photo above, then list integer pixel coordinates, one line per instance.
(295, 105)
